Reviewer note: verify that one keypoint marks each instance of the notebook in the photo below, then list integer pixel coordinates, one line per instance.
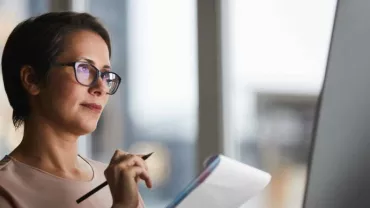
(224, 183)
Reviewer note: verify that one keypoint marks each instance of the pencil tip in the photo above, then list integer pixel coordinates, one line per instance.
(147, 156)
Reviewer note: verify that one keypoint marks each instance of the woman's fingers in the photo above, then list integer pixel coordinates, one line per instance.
(116, 156)
(140, 162)
(135, 161)
(140, 173)
(125, 160)
(123, 173)
(131, 159)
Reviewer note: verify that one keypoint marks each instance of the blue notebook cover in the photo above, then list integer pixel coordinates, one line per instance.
(210, 165)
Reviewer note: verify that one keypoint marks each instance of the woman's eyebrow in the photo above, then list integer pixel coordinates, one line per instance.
(90, 61)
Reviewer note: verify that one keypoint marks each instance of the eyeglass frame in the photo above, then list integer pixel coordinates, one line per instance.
(99, 74)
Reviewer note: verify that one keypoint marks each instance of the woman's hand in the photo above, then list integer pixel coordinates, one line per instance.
(123, 173)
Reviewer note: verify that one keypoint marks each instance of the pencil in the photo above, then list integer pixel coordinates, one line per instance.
(81, 199)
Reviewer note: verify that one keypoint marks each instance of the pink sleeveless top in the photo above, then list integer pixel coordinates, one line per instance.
(23, 186)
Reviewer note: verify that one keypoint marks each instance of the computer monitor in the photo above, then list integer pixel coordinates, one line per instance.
(339, 167)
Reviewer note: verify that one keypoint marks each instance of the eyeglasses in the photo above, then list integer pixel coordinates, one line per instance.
(87, 75)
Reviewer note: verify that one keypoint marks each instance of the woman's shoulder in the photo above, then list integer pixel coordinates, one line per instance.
(5, 163)
(9, 171)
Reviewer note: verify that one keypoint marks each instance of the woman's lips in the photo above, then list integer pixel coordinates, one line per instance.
(93, 106)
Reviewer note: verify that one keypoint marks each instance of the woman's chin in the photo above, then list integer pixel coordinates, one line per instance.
(86, 128)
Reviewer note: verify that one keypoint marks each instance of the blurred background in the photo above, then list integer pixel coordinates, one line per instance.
(237, 77)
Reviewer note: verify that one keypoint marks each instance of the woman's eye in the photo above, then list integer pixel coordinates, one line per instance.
(83, 68)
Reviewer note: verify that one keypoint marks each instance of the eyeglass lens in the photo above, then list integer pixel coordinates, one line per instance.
(87, 74)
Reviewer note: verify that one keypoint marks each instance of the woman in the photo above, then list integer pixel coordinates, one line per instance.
(58, 78)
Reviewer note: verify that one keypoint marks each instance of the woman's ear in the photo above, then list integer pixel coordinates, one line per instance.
(29, 80)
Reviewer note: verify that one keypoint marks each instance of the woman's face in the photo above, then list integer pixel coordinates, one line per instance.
(64, 101)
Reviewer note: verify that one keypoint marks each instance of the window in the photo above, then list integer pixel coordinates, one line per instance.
(275, 59)
(154, 51)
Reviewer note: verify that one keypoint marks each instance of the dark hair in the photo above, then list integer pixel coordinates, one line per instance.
(37, 42)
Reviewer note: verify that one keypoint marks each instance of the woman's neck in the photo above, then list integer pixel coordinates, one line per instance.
(50, 149)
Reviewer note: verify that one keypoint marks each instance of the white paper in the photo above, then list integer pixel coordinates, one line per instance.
(230, 185)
